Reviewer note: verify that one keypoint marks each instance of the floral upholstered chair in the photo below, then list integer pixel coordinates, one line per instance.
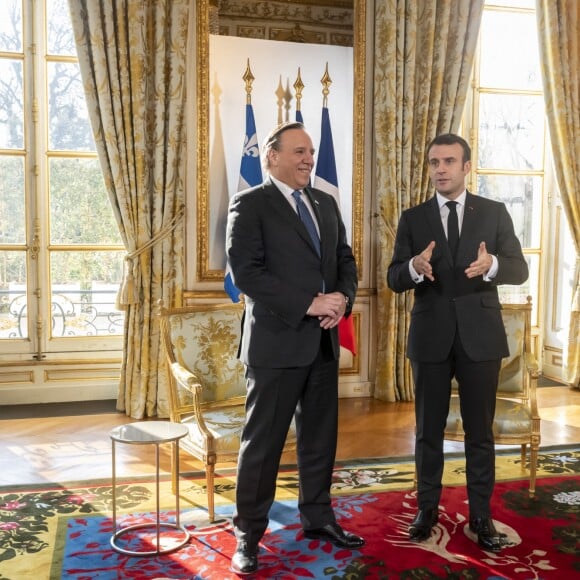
(517, 421)
(207, 388)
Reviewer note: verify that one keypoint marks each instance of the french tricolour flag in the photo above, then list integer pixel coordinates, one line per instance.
(326, 180)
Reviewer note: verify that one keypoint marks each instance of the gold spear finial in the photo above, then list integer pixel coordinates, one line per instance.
(298, 86)
(280, 100)
(248, 79)
(326, 82)
(287, 99)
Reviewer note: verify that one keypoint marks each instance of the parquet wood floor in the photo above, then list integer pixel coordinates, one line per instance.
(57, 443)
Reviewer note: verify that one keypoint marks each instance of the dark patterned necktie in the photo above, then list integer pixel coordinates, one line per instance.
(307, 220)
(452, 228)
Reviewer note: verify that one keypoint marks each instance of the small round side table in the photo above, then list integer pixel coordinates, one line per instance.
(150, 433)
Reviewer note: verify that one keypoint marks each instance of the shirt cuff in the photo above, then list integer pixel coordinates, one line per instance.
(417, 278)
(492, 272)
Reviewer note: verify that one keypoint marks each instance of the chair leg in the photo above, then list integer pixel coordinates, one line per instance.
(209, 476)
(533, 467)
(523, 454)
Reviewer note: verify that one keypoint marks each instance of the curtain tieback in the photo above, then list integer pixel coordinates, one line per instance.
(127, 293)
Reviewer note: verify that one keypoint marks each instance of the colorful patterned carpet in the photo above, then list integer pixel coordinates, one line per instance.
(63, 530)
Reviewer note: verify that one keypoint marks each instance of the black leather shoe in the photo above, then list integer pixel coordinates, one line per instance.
(245, 559)
(487, 536)
(335, 534)
(420, 528)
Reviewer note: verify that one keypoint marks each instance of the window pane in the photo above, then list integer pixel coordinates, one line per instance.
(522, 195)
(12, 200)
(508, 60)
(11, 105)
(80, 210)
(69, 126)
(13, 311)
(60, 38)
(11, 26)
(84, 288)
(511, 132)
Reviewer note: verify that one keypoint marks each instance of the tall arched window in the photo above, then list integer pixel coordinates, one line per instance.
(61, 255)
(505, 122)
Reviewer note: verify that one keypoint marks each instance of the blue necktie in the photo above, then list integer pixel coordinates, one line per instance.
(307, 220)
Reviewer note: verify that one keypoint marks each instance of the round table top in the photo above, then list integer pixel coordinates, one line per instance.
(143, 432)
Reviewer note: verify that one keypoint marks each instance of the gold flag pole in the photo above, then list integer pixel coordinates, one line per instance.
(326, 82)
(248, 79)
(298, 86)
(280, 100)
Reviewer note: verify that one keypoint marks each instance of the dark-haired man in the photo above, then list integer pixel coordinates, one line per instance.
(454, 250)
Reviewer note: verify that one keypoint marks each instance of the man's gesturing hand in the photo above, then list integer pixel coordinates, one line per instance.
(422, 262)
(482, 265)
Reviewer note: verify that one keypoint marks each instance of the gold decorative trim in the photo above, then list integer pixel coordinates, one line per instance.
(94, 364)
(358, 140)
(81, 375)
(16, 377)
(202, 46)
(554, 355)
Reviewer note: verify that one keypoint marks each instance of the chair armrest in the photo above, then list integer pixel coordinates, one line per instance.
(533, 374)
(185, 379)
(531, 365)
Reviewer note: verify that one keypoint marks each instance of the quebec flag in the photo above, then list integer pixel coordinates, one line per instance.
(250, 175)
(326, 180)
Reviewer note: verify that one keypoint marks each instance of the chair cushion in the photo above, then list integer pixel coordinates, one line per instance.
(226, 426)
(512, 419)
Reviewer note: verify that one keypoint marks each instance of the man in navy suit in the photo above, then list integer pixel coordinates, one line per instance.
(287, 249)
(453, 251)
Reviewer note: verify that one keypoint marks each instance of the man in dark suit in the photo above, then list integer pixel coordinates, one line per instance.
(287, 249)
(454, 257)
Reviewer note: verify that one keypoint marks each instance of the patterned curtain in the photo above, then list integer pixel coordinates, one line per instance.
(558, 22)
(132, 56)
(423, 59)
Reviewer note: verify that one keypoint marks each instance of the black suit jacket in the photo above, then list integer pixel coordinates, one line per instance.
(276, 267)
(452, 300)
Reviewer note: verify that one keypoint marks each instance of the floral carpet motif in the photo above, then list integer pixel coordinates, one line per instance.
(65, 531)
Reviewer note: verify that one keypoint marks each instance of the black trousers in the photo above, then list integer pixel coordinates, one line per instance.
(274, 396)
(477, 392)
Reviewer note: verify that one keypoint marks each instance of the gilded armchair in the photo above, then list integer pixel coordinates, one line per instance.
(517, 421)
(207, 388)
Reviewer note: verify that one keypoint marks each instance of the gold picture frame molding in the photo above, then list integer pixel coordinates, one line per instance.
(204, 273)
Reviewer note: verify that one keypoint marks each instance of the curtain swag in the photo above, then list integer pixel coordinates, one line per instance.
(127, 293)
